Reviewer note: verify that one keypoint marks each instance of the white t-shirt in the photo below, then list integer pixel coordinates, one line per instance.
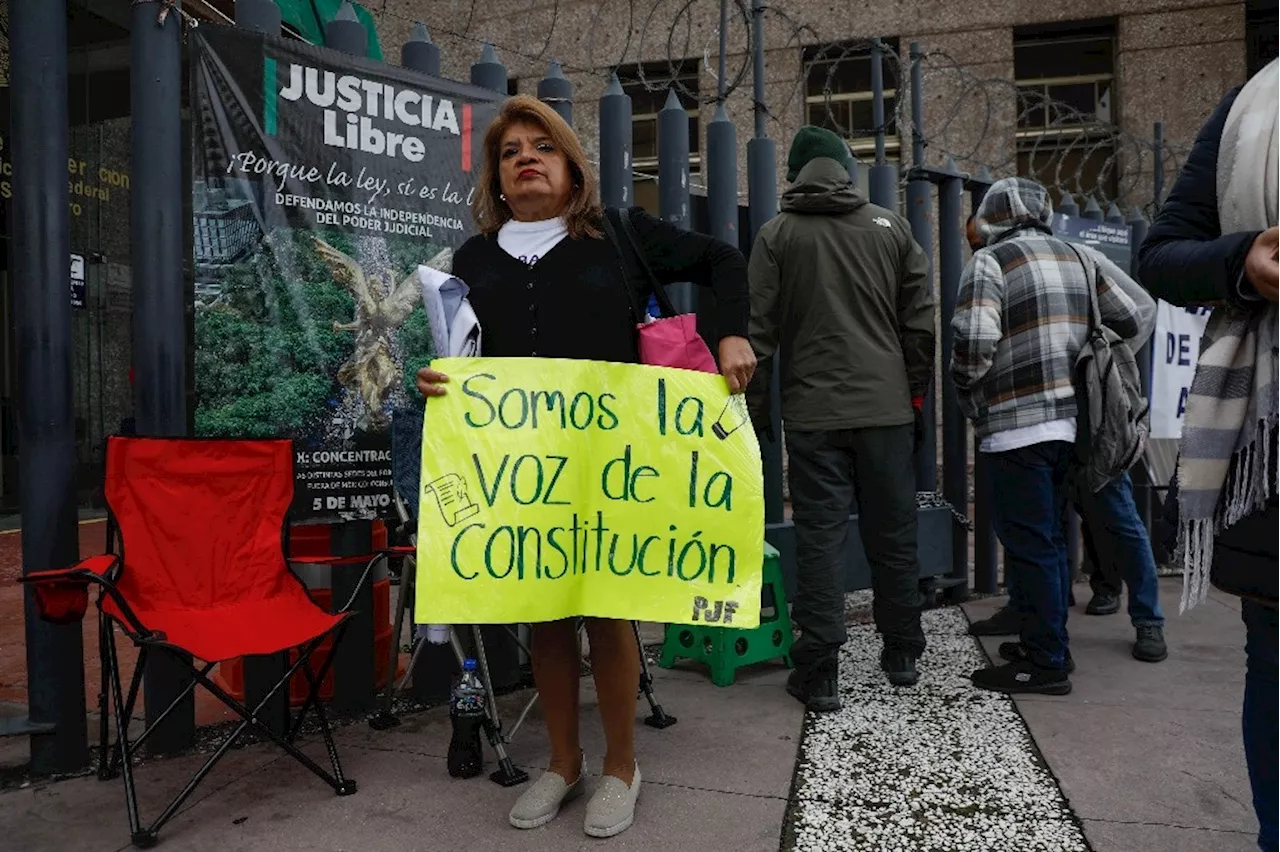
(530, 241)
(1025, 436)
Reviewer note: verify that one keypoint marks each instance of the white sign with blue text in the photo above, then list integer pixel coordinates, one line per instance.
(1175, 350)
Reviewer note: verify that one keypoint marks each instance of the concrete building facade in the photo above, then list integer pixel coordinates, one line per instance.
(1109, 69)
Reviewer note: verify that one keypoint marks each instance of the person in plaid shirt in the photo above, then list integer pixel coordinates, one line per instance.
(1022, 318)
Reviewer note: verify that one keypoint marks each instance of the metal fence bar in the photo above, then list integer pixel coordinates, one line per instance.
(420, 53)
(673, 181)
(488, 72)
(762, 198)
(156, 240)
(919, 214)
(986, 546)
(259, 15)
(556, 91)
(955, 474)
(1143, 493)
(354, 681)
(882, 179)
(1157, 171)
(45, 350)
(615, 146)
(346, 33)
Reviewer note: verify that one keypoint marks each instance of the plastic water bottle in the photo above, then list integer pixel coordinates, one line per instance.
(466, 713)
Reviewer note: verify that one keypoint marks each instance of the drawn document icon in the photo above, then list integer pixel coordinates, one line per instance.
(450, 492)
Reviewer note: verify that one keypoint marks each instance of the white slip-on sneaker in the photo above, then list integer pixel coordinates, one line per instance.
(540, 804)
(613, 807)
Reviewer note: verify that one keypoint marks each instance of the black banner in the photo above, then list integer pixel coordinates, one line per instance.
(321, 182)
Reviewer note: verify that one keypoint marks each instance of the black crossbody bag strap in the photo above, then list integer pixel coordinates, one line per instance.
(613, 220)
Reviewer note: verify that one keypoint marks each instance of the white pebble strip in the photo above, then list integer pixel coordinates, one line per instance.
(938, 766)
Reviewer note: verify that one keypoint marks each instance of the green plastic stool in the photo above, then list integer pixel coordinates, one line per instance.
(725, 649)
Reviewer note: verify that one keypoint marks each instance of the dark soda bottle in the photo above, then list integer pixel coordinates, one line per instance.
(467, 714)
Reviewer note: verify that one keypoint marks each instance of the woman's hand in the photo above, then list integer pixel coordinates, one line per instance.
(431, 382)
(1260, 267)
(737, 363)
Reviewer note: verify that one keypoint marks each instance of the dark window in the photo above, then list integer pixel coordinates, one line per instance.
(838, 94)
(1260, 27)
(649, 86)
(1066, 107)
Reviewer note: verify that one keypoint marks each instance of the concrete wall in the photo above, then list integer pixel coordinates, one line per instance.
(1174, 59)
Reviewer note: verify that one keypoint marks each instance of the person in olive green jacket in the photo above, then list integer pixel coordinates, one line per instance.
(841, 293)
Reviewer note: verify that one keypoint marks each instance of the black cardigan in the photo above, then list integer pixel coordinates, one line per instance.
(574, 303)
(1186, 259)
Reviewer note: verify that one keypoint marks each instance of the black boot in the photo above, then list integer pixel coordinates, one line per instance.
(816, 686)
(899, 666)
(1103, 603)
(1150, 646)
(1005, 622)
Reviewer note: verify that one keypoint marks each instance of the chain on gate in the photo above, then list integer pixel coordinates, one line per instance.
(934, 500)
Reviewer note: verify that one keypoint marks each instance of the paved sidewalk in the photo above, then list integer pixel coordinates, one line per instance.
(1140, 758)
(1149, 755)
(717, 780)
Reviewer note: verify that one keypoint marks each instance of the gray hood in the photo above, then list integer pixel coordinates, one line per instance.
(1011, 204)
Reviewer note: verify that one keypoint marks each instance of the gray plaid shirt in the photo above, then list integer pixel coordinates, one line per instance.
(1023, 313)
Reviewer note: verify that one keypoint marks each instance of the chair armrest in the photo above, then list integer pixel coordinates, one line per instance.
(62, 594)
(95, 568)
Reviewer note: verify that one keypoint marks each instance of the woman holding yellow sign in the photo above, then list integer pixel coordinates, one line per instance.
(545, 281)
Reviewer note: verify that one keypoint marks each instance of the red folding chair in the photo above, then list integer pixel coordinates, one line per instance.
(201, 575)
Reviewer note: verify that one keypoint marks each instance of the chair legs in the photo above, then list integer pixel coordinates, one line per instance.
(121, 754)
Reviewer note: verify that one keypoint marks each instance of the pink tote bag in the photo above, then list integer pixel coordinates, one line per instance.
(671, 340)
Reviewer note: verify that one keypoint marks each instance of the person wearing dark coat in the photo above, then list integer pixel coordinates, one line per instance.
(1214, 243)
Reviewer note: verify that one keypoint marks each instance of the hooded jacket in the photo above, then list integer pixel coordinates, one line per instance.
(841, 293)
(1023, 313)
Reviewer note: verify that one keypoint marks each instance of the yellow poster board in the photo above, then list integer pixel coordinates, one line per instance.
(556, 488)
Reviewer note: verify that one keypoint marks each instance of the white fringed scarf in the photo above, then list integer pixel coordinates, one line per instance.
(1227, 466)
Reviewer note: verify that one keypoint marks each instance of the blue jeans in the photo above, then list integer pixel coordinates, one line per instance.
(1123, 548)
(1030, 487)
(1260, 716)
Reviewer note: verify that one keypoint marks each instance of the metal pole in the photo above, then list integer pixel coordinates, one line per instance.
(420, 53)
(159, 312)
(263, 672)
(557, 92)
(1114, 215)
(762, 195)
(877, 97)
(615, 145)
(986, 546)
(1157, 172)
(355, 689)
(722, 177)
(955, 481)
(882, 181)
(1069, 207)
(488, 72)
(721, 171)
(346, 33)
(46, 408)
(919, 203)
(1145, 494)
(259, 15)
(721, 83)
(1092, 210)
(673, 180)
